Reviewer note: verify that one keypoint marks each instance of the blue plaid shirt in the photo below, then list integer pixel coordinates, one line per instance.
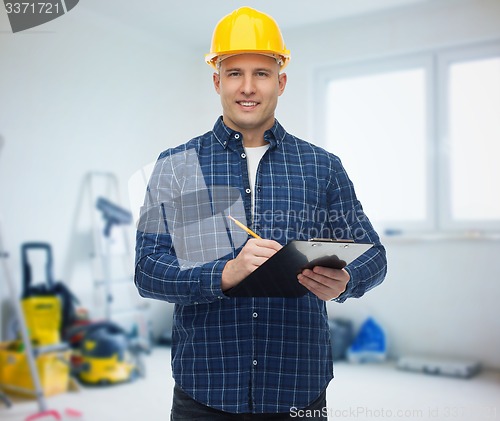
(259, 355)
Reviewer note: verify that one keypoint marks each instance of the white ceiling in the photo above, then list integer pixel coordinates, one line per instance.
(189, 21)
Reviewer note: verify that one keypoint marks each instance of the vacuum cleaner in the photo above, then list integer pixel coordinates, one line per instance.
(105, 354)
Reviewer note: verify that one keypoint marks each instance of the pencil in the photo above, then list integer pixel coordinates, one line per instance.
(243, 227)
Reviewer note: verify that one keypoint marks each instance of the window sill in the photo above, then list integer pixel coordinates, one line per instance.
(415, 237)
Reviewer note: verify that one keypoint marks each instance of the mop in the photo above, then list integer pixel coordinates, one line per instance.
(30, 356)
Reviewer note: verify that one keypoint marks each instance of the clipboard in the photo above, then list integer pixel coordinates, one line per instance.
(277, 277)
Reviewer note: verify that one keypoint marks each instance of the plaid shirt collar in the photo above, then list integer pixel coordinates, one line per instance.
(226, 136)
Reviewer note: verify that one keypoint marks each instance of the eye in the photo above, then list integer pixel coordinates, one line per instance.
(261, 74)
(233, 74)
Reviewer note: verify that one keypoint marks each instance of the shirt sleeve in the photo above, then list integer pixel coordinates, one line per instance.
(159, 275)
(347, 216)
(176, 260)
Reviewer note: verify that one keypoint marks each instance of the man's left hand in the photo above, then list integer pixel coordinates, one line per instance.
(325, 283)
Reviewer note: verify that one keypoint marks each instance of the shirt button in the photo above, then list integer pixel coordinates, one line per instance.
(254, 362)
(243, 155)
(255, 315)
(248, 191)
(236, 136)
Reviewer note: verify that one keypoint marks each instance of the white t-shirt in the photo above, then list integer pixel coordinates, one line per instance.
(254, 155)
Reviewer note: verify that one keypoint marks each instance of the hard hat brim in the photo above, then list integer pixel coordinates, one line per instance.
(211, 58)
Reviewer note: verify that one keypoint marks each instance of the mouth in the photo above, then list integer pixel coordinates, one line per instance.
(247, 104)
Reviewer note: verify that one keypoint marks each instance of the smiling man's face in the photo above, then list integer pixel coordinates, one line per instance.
(249, 86)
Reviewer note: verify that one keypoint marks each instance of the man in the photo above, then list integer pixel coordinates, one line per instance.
(248, 358)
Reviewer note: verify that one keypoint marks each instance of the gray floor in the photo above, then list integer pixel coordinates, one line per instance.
(360, 392)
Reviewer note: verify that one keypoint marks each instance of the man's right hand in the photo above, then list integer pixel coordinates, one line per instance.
(252, 255)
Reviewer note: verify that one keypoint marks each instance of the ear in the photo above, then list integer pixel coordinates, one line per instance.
(282, 78)
(216, 80)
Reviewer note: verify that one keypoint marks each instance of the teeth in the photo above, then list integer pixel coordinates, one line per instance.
(248, 104)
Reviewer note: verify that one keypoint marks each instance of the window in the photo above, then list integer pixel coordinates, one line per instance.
(384, 116)
(419, 137)
(473, 142)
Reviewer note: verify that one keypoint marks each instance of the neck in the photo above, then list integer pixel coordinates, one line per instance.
(252, 139)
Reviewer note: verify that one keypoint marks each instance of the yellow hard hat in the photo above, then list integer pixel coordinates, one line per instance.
(247, 30)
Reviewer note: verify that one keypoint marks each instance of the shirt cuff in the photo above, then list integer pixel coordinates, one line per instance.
(345, 295)
(211, 277)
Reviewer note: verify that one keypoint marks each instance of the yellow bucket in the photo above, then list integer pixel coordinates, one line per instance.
(15, 376)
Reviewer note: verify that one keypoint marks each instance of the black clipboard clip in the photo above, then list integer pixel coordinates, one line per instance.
(330, 240)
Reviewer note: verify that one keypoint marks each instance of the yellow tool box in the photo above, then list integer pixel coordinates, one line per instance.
(15, 377)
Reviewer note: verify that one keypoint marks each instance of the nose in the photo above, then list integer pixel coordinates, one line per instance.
(247, 85)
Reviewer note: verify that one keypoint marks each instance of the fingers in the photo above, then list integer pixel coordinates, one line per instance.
(325, 283)
(257, 251)
(252, 255)
(267, 244)
(324, 273)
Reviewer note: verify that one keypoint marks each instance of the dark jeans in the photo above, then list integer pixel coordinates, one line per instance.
(185, 408)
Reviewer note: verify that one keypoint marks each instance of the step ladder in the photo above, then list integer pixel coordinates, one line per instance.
(116, 297)
(44, 412)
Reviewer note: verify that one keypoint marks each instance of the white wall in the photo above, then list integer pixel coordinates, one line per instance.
(86, 94)
(82, 94)
(440, 297)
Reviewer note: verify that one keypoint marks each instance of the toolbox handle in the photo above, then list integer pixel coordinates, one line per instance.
(27, 277)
